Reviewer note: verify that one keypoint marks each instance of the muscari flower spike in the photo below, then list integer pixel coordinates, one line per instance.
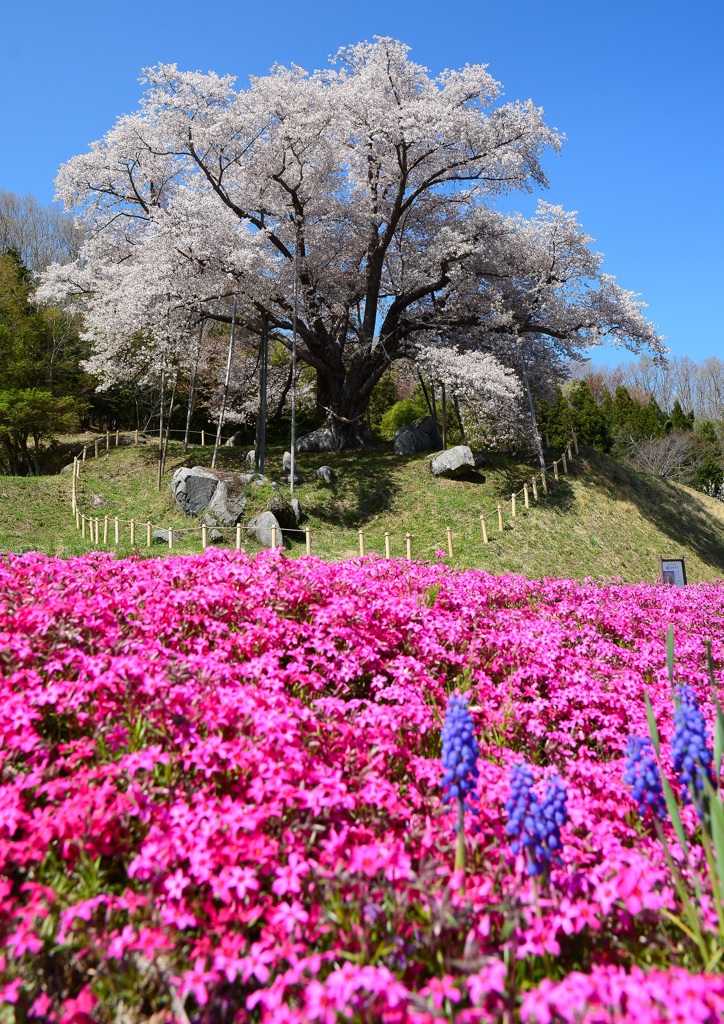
(535, 826)
(690, 746)
(643, 777)
(459, 754)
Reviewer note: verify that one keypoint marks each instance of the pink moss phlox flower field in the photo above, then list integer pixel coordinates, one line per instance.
(220, 794)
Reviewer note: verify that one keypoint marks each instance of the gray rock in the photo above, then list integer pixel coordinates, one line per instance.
(283, 512)
(221, 494)
(260, 527)
(454, 462)
(480, 459)
(67, 469)
(287, 462)
(259, 480)
(420, 436)
(251, 458)
(236, 440)
(326, 474)
(298, 479)
(159, 537)
(215, 536)
(297, 509)
(321, 440)
(275, 486)
(98, 501)
(209, 520)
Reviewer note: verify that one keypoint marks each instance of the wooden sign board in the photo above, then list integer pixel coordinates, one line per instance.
(673, 571)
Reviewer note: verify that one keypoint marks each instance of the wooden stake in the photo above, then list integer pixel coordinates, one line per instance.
(387, 545)
(555, 469)
(535, 489)
(98, 531)
(361, 544)
(73, 501)
(77, 519)
(569, 453)
(133, 533)
(525, 496)
(148, 535)
(238, 536)
(575, 442)
(274, 538)
(544, 481)
(116, 530)
(105, 531)
(204, 536)
(203, 438)
(565, 464)
(118, 438)
(96, 447)
(108, 440)
(85, 449)
(484, 528)
(308, 539)
(449, 542)
(408, 546)
(82, 526)
(170, 537)
(512, 504)
(136, 437)
(500, 518)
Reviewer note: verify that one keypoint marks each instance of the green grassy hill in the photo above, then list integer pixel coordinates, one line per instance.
(602, 520)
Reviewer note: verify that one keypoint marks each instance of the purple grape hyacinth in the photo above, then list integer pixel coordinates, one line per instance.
(693, 758)
(535, 826)
(642, 775)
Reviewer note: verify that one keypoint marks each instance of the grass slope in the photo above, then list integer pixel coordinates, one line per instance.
(603, 520)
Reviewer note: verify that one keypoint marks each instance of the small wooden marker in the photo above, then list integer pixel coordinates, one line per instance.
(408, 546)
(116, 530)
(203, 438)
(118, 438)
(238, 536)
(148, 535)
(387, 544)
(449, 542)
(274, 538)
(525, 496)
(204, 536)
(85, 449)
(170, 537)
(512, 504)
(361, 544)
(484, 528)
(96, 447)
(136, 437)
(108, 440)
(308, 539)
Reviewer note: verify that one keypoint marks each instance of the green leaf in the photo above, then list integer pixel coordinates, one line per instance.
(719, 724)
(670, 655)
(716, 818)
(671, 804)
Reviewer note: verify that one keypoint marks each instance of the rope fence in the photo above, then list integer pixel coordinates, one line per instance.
(93, 528)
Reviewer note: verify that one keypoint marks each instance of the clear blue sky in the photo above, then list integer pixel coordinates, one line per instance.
(636, 86)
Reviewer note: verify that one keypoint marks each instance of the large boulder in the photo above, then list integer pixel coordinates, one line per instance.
(282, 511)
(420, 436)
(215, 491)
(454, 462)
(260, 527)
(321, 440)
(236, 440)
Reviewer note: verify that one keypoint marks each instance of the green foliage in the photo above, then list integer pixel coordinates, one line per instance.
(403, 413)
(680, 420)
(383, 397)
(40, 375)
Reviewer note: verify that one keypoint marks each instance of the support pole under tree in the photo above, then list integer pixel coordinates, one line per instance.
(534, 419)
(260, 445)
(192, 384)
(443, 406)
(160, 429)
(227, 381)
(292, 443)
(168, 430)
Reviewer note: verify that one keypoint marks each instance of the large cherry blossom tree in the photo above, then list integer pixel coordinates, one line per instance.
(360, 195)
